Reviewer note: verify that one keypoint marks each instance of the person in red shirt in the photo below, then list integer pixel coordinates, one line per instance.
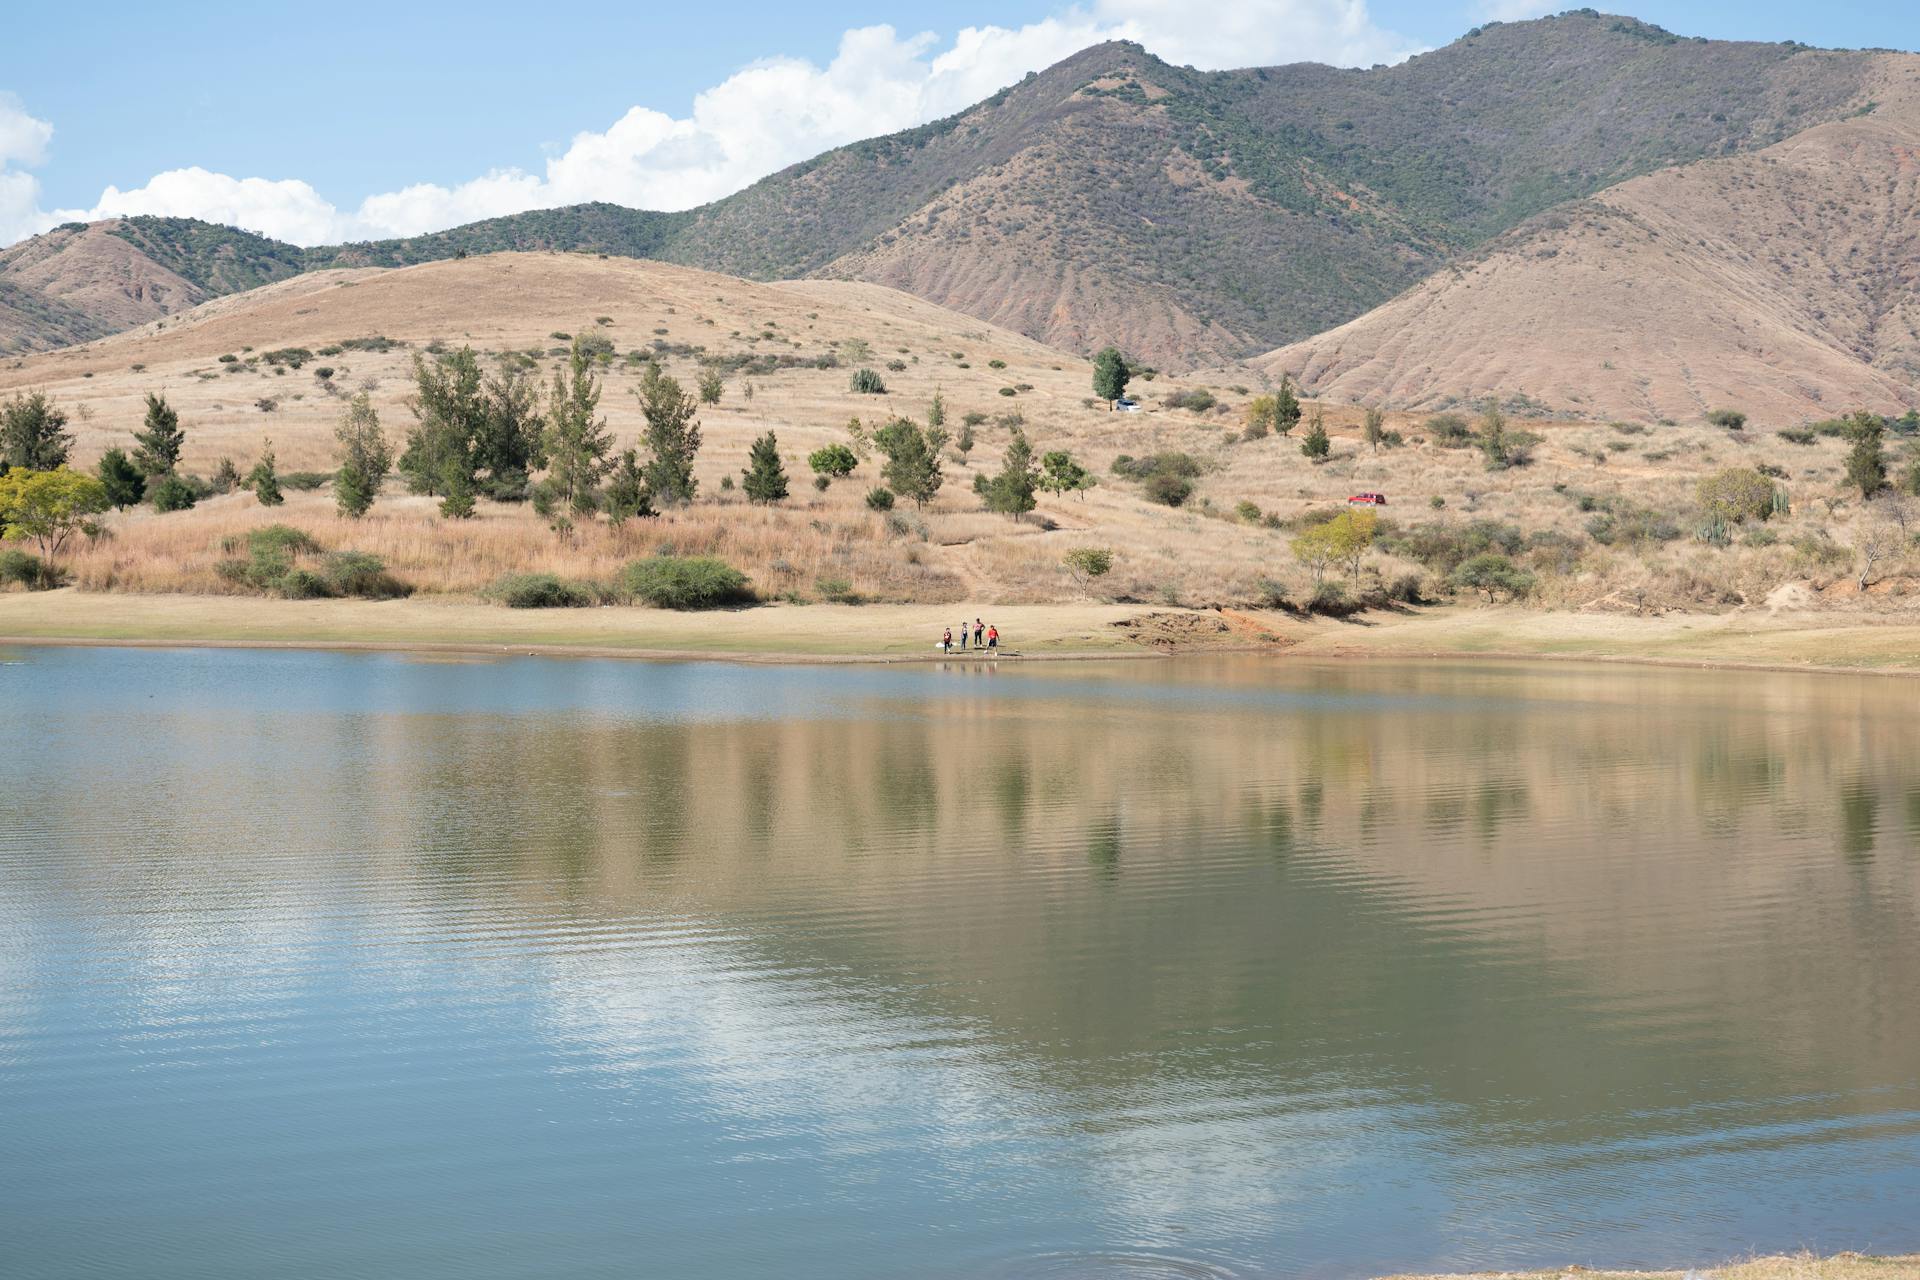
(946, 641)
(993, 638)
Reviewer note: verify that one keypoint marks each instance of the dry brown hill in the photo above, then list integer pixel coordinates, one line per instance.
(1785, 283)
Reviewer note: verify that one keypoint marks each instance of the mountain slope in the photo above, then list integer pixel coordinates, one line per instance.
(1192, 217)
(1785, 283)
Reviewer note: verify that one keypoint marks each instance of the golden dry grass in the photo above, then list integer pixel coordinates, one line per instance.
(1841, 1266)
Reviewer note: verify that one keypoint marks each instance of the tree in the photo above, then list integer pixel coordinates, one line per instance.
(1866, 460)
(33, 433)
(1286, 407)
(1110, 374)
(157, 446)
(912, 468)
(765, 479)
(48, 507)
(627, 495)
(1059, 474)
(1087, 563)
(1342, 540)
(509, 438)
(226, 477)
(264, 480)
(937, 411)
(1316, 445)
(1010, 492)
(1491, 573)
(672, 436)
(963, 443)
(365, 458)
(1261, 412)
(711, 387)
(450, 405)
(124, 484)
(834, 462)
(576, 441)
(1375, 429)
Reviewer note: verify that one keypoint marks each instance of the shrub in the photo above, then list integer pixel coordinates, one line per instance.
(996, 364)
(541, 591)
(360, 573)
(833, 462)
(1199, 400)
(24, 568)
(1007, 391)
(1449, 430)
(1247, 512)
(1731, 419)
(1168, 489)
(1330, 599)
(1735, 495)
(689, 582)
(837, 591)
(305, 481)
(880, 498)
(867, 382)
(172, 494)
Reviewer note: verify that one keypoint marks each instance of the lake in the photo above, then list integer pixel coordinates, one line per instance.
(331, 965)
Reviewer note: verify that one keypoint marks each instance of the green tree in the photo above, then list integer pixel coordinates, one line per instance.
(1260, 414)
(765, 479)
(157, 446)
(450, 405)
(963, 443)
(226, 477)
(1086, 563)
(1342, 540)
(672, 436)
(509, 437)
(33, 433)
(1316, 445)
(47, 508)
(264, 480)
(1286, 407)
(711, 387)
(576, 442)
(937, 411)
(1110, 374)
(1866, 459)
(1492, 573)
(1060, 474)
(912, 469)
(627, 495)
(833, 462)
(124, 484)
(1375, 429)
(365, 458)
(1010, 491)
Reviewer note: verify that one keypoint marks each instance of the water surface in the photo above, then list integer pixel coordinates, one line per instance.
(321, 965)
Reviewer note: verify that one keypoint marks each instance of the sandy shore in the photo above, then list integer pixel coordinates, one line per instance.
(903, 633)
(1841, 1266)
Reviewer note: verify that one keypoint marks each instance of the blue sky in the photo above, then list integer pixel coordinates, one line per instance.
(360, 119)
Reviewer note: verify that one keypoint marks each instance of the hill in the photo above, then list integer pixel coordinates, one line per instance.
(1785, 283)
(1192, 217)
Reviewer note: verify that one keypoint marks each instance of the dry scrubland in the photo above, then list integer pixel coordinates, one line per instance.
(1204, 553)
(1844, 1266)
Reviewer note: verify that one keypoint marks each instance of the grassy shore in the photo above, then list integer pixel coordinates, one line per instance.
(893, 633)
(1842, 1266)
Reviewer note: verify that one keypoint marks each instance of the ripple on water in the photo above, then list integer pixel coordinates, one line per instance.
(1132, 1264)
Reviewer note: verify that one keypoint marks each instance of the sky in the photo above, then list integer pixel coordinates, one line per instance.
(353, 120)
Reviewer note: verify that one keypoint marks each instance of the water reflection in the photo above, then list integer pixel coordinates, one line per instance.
(508, 969)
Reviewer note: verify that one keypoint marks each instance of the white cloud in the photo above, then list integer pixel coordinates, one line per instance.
(769, 114)
(1516, 10)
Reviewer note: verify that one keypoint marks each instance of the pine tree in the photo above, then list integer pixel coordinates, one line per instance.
(711, 387)
(33, 434)
(226, 476)
(365, 458)
(937, 411)
(510, 435)
(157, 448)
(672, 436)
(576, 442)
(1286, 407)
(457, 504)
(1010, 492)
(124, 484)
(627, 495)
(264, 480)
(765, 480)
(1316, 445)
(450, 403)
(912, 469)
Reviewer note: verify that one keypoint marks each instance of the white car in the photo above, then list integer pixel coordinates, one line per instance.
(1126, 406)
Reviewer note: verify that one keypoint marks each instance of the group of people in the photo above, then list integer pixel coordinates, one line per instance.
(984, 637)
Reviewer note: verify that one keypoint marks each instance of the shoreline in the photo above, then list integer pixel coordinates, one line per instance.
(889, 634)
(1802, 1266)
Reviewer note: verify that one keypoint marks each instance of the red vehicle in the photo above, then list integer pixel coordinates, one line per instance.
(1367, 500)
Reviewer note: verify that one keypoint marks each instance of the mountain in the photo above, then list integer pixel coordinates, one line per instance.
(1197, 217)
(1785, 283)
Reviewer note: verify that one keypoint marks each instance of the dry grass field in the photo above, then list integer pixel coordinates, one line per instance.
(1844, 1266)
(1204, 553)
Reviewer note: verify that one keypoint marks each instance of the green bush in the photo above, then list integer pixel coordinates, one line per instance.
(24, 568)
(541, 591)
(306, 481)
(867, 382)
(685, 582)
(1168, 489)
(1198, 400)
(172, 494)
(363, 574)
(880, 498)
(837, 591)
